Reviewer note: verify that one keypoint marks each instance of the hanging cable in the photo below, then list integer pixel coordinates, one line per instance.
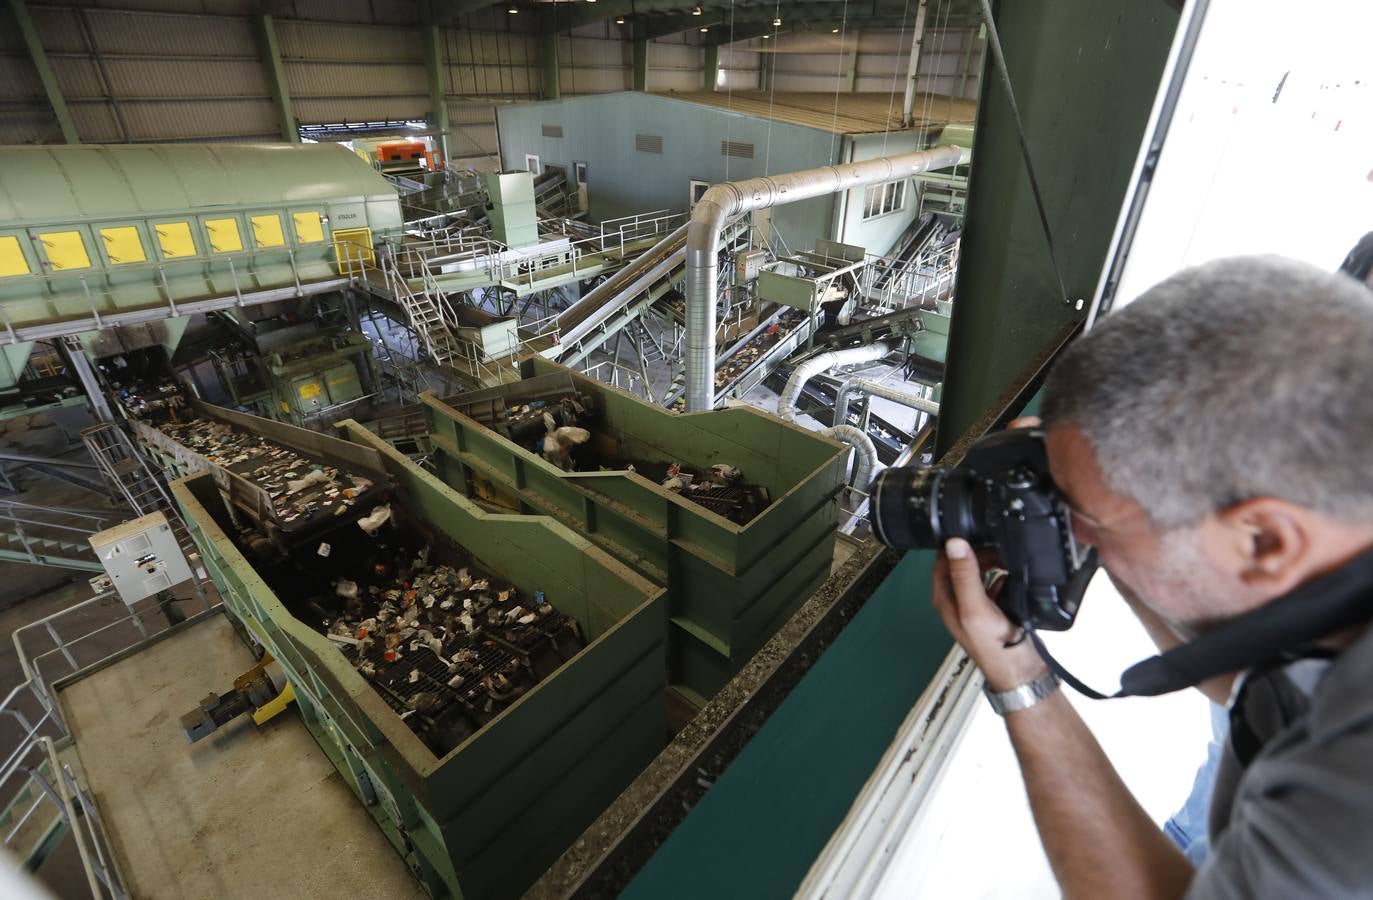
(838, 76)
(891, 94)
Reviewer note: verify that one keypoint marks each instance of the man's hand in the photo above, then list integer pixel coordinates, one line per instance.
(978, 624)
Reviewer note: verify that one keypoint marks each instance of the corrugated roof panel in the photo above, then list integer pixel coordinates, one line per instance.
(187, 78)
(29, 127)
(95, 122)
(159, 34)
(359, 109)
(77, 77)
(59, 29)
(19, 80)
(349, 80)
(200, 119)
(314, 40)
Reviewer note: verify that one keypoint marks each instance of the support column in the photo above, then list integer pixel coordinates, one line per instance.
(640, 64)
(434, 63)
(81, 366)
(276, 76)
(712, 67)
(908, 104)
(851, 74)
(34, 43)
(549, 47)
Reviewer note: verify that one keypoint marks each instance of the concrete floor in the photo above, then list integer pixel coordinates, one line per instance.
(247, 812)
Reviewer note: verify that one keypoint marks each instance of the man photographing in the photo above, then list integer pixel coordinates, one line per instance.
(1209, 441)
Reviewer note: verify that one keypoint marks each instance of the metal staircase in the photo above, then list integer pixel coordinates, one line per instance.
(127, 474)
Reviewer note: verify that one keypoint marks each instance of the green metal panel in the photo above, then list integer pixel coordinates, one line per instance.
(1085, 74)
(514, 219)
(640, 64)
(548, 51)
(787, 289)
(768, 817)
(486, 819)
(710, 73)
(13, 359)
(434, 64)
(729, 585)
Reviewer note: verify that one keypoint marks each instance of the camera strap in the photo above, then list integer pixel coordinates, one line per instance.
(1264, 636)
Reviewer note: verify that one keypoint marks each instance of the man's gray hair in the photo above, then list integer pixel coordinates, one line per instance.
(1241, 378)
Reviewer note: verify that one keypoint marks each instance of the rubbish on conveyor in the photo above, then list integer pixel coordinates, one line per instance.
(375, 519)
(447, 651)
(278, 470)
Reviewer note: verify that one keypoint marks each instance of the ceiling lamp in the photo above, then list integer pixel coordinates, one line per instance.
(705, 29)
(513, 10)
(776, 23)
(832, 30)
(767, 37)
(619, 20)
(696, 10)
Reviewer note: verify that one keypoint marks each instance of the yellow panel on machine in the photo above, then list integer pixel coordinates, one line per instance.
(267, 230)
(123, 245)
(12, 261)
(65, 250)
(174, 238)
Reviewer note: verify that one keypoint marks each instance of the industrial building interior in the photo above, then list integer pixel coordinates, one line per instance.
(436, 435)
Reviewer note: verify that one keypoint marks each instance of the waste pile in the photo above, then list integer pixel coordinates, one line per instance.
(755, 347)
(302, 490)
(447, 646)
(561, 427)
(150, 398)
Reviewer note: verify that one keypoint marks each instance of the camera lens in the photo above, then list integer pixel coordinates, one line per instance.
(915, 508)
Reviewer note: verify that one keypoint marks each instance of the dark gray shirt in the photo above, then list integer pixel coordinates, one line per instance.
(1297, 820)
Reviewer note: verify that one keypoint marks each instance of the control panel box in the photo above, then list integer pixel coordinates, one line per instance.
(141, 557)
(747, 265)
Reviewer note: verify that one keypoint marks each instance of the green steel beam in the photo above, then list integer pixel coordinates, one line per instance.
(438, 101)
(711, 69)
(640, 63)
(1085, 73)
(548, 49)
(34, 43)
(276, 75)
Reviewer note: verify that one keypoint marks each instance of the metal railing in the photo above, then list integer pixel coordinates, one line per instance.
(917, 282)
(33, 526)
(39, 792)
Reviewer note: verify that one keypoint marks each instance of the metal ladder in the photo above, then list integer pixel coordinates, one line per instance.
(424, 314)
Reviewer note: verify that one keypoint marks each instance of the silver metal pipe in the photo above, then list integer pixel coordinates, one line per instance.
(877, 389)
(823, 362)
(864, 450)
(724, 201)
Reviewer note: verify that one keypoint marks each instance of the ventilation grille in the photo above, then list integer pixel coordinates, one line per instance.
(552, 131)
(648, 143)
(736, 149)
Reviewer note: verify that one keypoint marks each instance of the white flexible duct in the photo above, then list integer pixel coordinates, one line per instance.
(864, 448)
(724, 201)
(786, 401)
(877, 389)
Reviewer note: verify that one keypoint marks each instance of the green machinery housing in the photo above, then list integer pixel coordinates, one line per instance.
(487, 818)
(729, 586)
(98, 235)
(302, 382)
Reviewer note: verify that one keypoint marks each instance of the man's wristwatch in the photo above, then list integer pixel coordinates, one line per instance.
(1022, 697)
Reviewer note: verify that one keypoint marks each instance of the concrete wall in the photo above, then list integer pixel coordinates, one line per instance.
(600, 131)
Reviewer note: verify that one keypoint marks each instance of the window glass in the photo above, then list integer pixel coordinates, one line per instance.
(12, 261)
(267, 230)
(65, 250)
(174, 239)
(224, 237)
(123, 245)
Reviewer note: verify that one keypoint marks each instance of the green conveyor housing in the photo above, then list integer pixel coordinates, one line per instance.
(487, 818)
(94, 235)
(729, 586)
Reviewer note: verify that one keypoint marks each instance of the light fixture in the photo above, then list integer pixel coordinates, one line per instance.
(619, 20)
(776, 23)
(705, 29)
(832, 30)
(696, 10)
(513, 10)
(767, 37)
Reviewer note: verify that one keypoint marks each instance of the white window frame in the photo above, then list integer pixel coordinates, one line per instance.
(884, 199)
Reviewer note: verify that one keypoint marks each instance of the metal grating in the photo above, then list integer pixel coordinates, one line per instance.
(736, 149)
(552, 131)
(648, 143)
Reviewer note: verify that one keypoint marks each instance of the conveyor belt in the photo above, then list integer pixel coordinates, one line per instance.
(817, 401)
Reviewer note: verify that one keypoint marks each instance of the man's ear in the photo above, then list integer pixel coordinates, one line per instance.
(1271, 540)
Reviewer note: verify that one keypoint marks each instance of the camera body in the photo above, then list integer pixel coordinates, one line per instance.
(1002, 496)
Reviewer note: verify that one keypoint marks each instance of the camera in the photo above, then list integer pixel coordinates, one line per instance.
(1002, 496)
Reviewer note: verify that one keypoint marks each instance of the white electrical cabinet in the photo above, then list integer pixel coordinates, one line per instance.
(141, 557)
